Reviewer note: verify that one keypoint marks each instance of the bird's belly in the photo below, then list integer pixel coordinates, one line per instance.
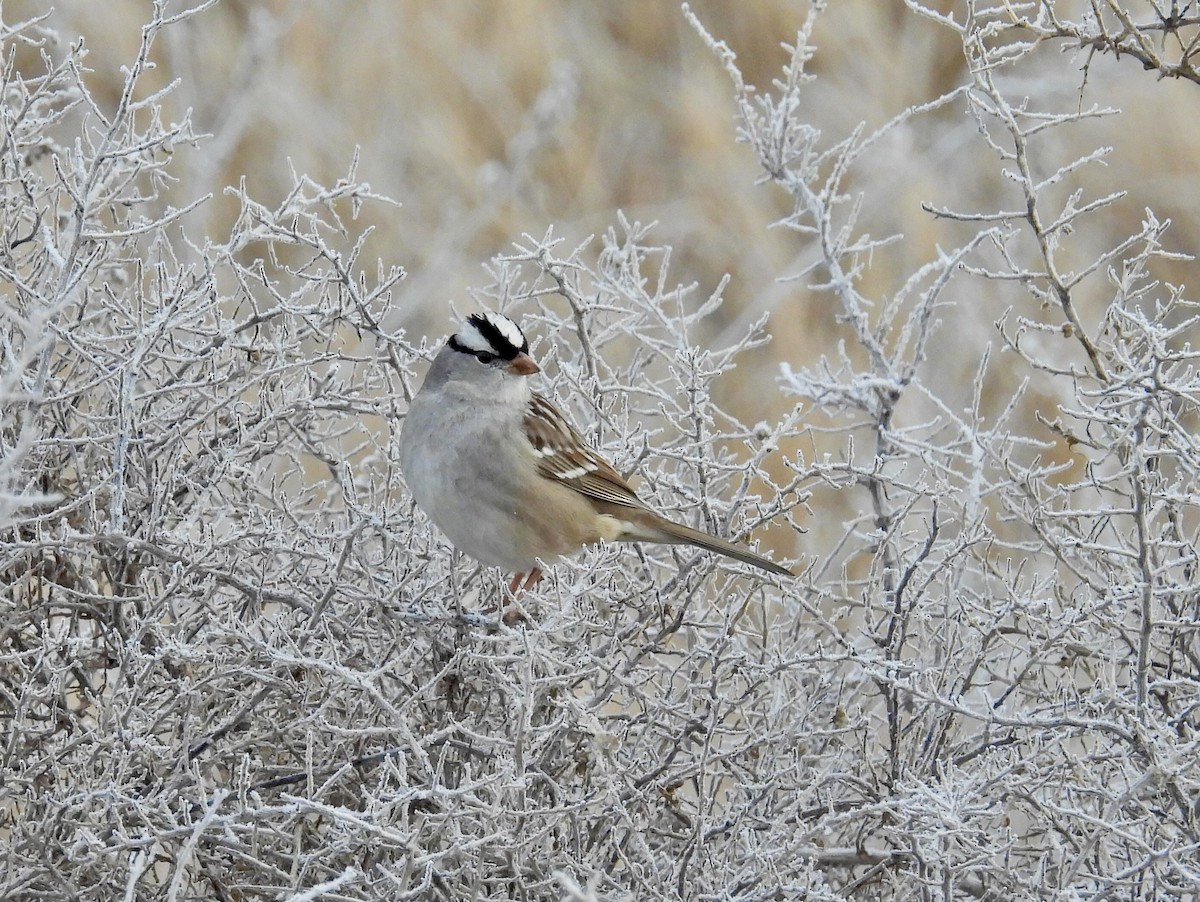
(484, 494)
(472, 498)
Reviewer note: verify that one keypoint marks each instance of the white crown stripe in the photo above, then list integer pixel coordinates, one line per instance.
(472, 339)
(507, 328)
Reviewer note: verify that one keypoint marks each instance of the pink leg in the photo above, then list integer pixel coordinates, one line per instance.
(523, 582)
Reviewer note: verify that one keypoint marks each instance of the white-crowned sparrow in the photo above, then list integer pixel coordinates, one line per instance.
(506, 477)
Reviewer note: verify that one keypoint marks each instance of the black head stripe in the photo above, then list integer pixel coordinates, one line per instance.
(491, 338)
(500, 338)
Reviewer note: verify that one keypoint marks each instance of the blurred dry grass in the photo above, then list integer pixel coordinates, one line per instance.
(635, 114)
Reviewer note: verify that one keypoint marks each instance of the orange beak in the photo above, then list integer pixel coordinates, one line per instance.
(522, 365)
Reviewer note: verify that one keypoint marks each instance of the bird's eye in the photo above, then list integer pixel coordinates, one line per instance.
(484, 357)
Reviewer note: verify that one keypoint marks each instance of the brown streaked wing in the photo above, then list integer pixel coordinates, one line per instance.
(564, 457)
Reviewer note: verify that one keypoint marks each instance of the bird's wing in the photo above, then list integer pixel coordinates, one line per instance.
(562, 455)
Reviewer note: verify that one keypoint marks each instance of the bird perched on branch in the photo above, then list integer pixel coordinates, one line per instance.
(506, 477)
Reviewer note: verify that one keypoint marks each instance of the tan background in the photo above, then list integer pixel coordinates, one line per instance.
(439, 95)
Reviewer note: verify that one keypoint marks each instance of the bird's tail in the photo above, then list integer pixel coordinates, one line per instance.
(663, 530)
